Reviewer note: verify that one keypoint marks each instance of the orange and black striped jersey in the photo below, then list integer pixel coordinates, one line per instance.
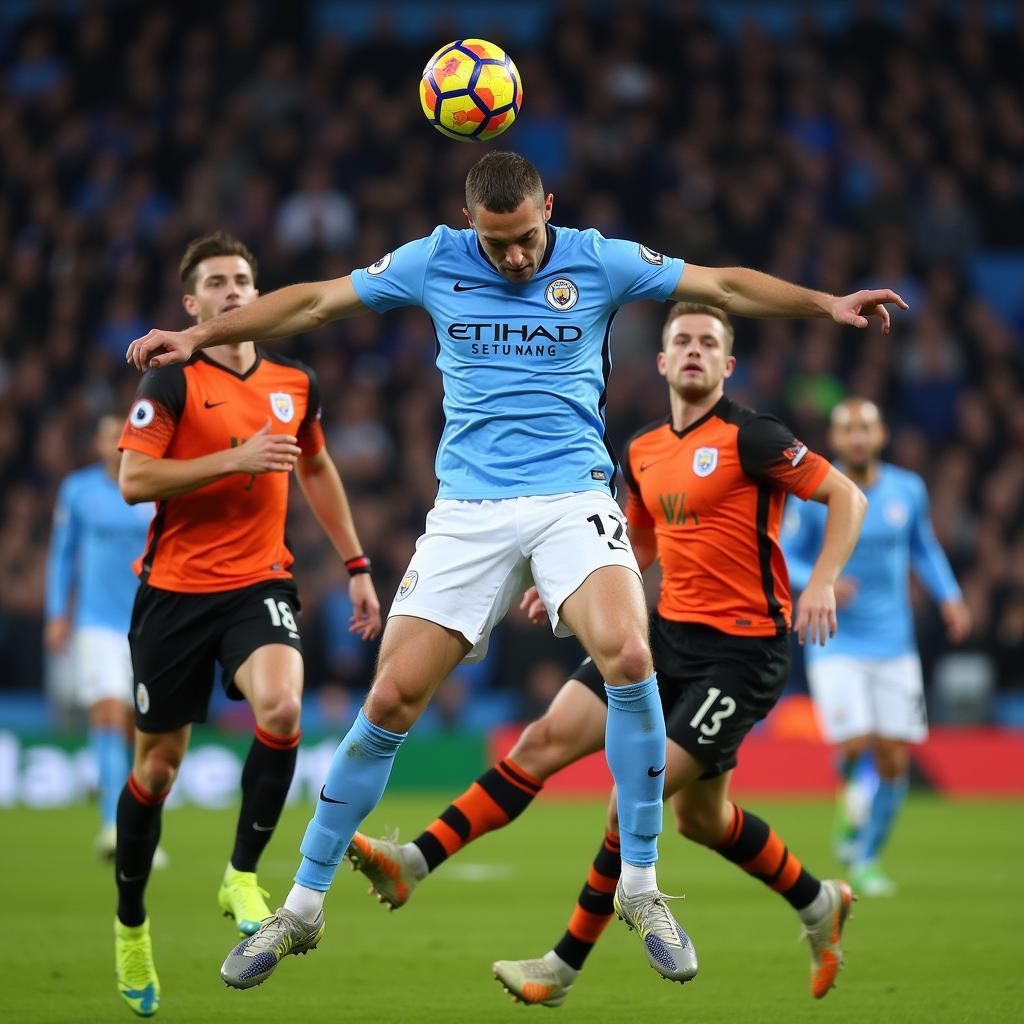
(228, 534)
(713, 494)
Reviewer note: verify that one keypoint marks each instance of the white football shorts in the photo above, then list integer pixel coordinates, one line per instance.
(102, 666)
(476, 557)
(854, 697)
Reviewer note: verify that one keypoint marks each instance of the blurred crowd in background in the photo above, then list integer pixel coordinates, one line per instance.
(851, 151)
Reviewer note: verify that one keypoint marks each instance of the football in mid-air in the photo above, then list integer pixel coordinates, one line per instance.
(471, 90)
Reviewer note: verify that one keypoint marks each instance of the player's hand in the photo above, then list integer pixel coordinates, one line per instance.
(161, 348)
(266, 453)
(856, 309)
(57, 635)
(365, 619)
(846, 590)
(534, 607)
(957, 617)
(816, 613)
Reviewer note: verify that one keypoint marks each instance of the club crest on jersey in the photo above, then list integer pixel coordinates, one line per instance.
(408, 585)
(380, 266)
(650, 256)
(896, 513)
(562, 294)
(705, 461)
(283, 406)
(142, 698)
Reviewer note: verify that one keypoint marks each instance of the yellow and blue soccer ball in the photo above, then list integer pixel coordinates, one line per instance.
(471, 90)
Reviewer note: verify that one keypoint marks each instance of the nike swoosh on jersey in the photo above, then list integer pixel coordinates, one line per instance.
(647, 465)
(460, 287)
(213, 405)
(327, 800)
(654, 774)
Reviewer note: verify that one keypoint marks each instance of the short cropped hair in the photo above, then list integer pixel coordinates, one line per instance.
(219, 243)
(678, 309)
(500, 180)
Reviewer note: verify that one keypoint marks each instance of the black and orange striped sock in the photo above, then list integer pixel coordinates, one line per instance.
(752, 844)
(266, 777)
(138, 834)
(501, 794)
(594, 907)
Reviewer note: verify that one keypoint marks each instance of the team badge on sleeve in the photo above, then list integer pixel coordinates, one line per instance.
(650, 256)
(562, 294)
(705, 461)
(283, 406)
(380, 266)
(142, 413)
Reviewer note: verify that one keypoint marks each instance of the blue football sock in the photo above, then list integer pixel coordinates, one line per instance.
(884, 809)
(111, 753)
(355, 783)
(635, 749)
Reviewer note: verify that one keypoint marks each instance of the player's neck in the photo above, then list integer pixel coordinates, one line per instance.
(239, 356)
(865, 476)
(686, 412)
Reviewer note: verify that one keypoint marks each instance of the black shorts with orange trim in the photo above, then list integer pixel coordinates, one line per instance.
(714, 687)
(177, 640)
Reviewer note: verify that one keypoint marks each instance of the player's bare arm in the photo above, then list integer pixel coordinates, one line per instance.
(754, 294)
(322, 486)
(279, 314)
(146, 478)
(816, 609)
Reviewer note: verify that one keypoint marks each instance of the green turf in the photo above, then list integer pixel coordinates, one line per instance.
(945, 949)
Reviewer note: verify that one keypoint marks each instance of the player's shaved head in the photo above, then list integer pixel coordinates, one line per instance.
(500, 180)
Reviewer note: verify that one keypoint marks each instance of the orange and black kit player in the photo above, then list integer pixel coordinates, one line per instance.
(215, 583)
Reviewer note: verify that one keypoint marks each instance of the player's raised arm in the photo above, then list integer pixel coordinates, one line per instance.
(752, 293)
(292, 310)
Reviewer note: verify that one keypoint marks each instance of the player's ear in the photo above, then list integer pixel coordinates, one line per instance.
(469, 220)
(549, 202)
(662, 368)
(190, 304)
(730, 367)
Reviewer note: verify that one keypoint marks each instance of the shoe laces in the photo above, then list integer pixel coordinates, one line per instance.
(539, 970)
(653, 915)
(138, 961)
(272, 930)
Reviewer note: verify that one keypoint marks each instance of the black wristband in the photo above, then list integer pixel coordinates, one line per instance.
(358, 564)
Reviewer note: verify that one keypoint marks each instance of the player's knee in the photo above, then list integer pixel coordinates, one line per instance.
(158, 770)
(390, 706)
(281, 716)
(630, 662)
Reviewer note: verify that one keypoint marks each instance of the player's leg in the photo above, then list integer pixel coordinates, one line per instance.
(572, 727)
(840, 690)
(157, 759)
(901, 719)
(270, 679)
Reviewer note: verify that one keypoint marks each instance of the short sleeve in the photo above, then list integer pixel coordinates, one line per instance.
(635, 272)
(153, 419)
(310, 434)
(398, 278)
(636, 511)
(770, 453)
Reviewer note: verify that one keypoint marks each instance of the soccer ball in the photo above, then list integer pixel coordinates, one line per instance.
(471, 90)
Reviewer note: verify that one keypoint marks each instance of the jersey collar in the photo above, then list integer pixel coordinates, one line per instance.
(716, 410)
(203, 357)
(552, 237)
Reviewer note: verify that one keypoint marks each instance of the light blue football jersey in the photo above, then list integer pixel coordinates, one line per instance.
(96, 537)
(525, 366)
(897, 536)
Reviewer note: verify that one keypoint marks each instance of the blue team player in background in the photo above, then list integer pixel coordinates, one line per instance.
(866, 683)
(522, 314)
(90, 588)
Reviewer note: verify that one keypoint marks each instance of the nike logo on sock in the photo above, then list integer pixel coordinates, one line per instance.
(327, 800)
(133, 878)
(262, 828)
(654, 774)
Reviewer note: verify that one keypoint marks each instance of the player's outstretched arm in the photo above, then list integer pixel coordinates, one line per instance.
(322, 486)
(145, 478)
(816, 609)
(292, 310)
(751, 293)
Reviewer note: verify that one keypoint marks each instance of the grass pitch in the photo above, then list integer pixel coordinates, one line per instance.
(945, 949)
